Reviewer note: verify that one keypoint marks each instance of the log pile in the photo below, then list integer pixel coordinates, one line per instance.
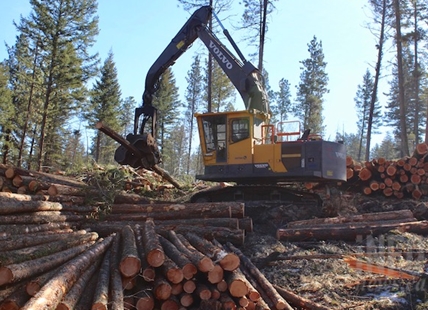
(57, 253)
(405, 177)
(136, 268)
(351, 228)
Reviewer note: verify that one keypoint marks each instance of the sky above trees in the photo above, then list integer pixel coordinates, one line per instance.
(138, 31)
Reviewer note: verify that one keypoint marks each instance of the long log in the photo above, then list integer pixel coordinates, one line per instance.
(231, 223)
(147, 271)
(34, 252)
(222, 234)
(130, 262)
(41, 217)
(171, 271)
(297, 300)
(190, 210)
(52, 292)
(237, 283)
(34, 228)
(36, 283)
(16, 300)
(202, 262)
(70, 300)
(20, 241)
(154, 252)
(16, 272)
(189, 269)
(101, 294)
(268, 288)
(115, 291)
(350, 231)
(376, 216)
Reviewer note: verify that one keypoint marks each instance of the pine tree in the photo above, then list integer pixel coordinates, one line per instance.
(311, 89)
(7, 112)
(388, 148)
(64, 31)
(105, 106)
(126, 116)
(362, 104)
(223, 91)
(167, 102)
(194, 98)
(283, 101)
(254, 22)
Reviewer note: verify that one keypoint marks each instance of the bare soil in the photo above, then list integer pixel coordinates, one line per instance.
(330, 281)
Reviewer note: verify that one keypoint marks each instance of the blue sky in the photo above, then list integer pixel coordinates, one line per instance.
(137, 31)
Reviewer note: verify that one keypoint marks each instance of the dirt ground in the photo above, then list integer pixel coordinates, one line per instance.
(330, 281)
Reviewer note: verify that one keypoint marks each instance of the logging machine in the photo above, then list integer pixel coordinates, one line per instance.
(237, 146)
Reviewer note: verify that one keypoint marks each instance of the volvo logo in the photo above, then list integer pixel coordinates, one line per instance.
(222, 58)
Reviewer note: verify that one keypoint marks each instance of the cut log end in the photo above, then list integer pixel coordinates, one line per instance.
(130, 266)
(155, 258)
(6, 275)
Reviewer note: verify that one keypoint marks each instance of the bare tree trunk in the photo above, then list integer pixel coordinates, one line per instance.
(416, 75)
(376, 80)
(401, 98)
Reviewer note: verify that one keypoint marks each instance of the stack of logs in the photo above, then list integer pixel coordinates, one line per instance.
(405, 177)
(56, 253)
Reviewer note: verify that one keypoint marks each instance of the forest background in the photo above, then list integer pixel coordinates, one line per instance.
(68, 64)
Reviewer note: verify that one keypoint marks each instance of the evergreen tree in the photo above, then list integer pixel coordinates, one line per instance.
(352, 143)
(7, 112)
(105, 106)
(194, 98)
(311, 89)
(167, 102)
(64, 31)
(388, 148)
(283, 101)
(362, 104)
(223, 91)
(254, 22)
(126, 116)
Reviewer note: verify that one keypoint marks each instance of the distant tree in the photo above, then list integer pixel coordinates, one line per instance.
(167, 102)
(223, 91)
(283, 101)
(104, 106)
(218, 6)
(126, 116)
(380, 11)
(175, 150)
(6, 111)
(311, 89)
(404, 143)
(352, 143)
(64, 31)
(254, 21)
(363, 105)
(194, 98)
(388, 148)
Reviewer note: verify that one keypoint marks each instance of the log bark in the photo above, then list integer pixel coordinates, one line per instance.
(298, 301)
(72, 297)
(350, 231)
(189, 269)
(152, 247)
(172, 211)
(42, 217)
(101, 294)
(20, 241)
(237, 284)
(34, 252)
(376, 216)
(147, 271)
(231, 223)
(268, 288)
(16, 272)
(130, 262)
(34, 228)
(16, 300)
(222, 234)
(171, 271)
(115, 289)
(52, 292)
(161, 288)
(202, 262)
(60, 189)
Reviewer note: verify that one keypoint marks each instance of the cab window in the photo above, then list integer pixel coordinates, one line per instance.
(240, 129)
